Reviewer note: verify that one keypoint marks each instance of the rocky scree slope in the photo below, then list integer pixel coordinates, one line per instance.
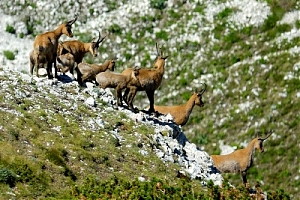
(169, 142)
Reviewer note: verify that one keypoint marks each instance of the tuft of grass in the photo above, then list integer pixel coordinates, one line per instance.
(9, 55)
(10, 29)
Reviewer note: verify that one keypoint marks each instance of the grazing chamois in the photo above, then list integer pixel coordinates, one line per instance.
(181, 113)
(149, 81)
(45, 47)
(118, 81)
(240, 160)
(88, 72)
(78, 49)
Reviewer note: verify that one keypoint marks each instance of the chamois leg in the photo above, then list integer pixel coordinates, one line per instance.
(31, 67)
(132, 94)
(125, 96)
(243, 174)
(49, 70)
(55, 67)
(78, 76)
(119, 96)
(84, 77)
(150, 94)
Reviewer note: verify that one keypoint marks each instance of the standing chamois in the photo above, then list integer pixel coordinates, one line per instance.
(181, 113)
(240, 160)
(45, 47)
(78, 49)
(149, 81)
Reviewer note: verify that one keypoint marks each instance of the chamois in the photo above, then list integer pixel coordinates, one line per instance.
(181, 113)
(67, 60)
(42, 60)
(240, 160)
(87, 71)
(118, 81)
(149, 81)
(78, 49)
(45, 46)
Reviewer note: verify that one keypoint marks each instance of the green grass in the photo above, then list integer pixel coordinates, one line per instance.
(9, 55)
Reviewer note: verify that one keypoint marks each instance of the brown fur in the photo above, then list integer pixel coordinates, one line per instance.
(45, 46)
(67, 60)
(78, 49)
(41, 62)
(88, 72)
(118, 81)
(149, 81)
(181, 113)
(240, 160)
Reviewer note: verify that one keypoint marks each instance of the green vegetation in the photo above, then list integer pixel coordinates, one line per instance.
(10, 29)
(9, 55)
(158, 4)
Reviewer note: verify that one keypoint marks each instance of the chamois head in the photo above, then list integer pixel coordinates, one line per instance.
(259, 142)
(198, 100)
(95, 45)
(135, 72)
(160, 61)
(68, 26)
(111, 64)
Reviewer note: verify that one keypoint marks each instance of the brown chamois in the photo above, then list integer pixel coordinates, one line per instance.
(88, 72)
(181, 113)
(41, 62)
(78, 49)
(240, 160)
(149, 81)
(45, 46)
(118, 81)
(67, 60)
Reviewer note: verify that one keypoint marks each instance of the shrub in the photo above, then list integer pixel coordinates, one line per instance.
(115, 28)
(7, 176)
(10, 29)
(158, 4)
(163, 35)
(9, 55)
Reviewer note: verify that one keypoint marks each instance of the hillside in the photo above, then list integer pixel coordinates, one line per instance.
(245, 51)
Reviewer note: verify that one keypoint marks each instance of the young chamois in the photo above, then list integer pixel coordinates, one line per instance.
(67, 61)
(118, 81)
(78, 49)
(41, 62)
(181, 113)
(45, 47)
(149, 81)
(240, 160)
(88, 72)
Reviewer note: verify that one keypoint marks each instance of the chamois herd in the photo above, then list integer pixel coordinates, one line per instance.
(69, 54)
